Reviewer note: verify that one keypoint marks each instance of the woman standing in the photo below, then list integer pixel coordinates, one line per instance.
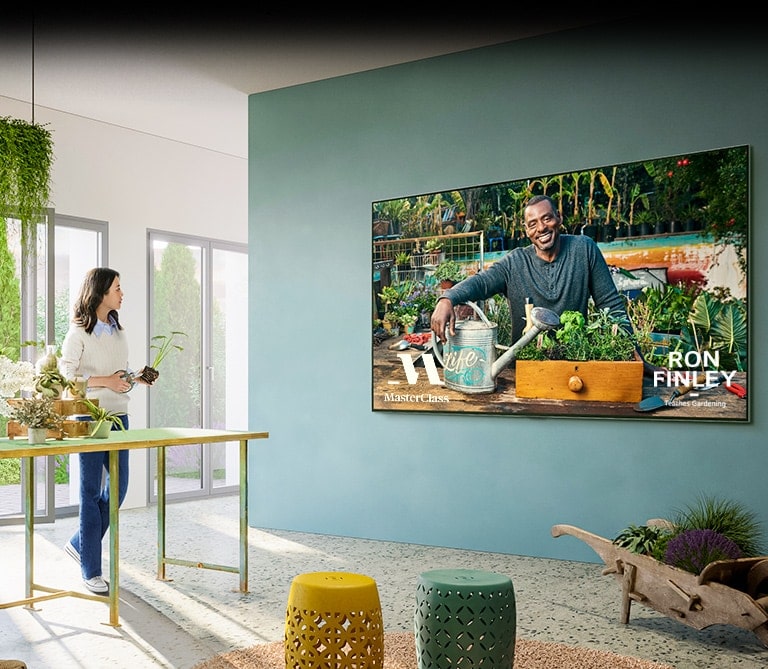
(96, 349)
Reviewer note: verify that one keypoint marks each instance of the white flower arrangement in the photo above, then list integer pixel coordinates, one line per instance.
(15, 377)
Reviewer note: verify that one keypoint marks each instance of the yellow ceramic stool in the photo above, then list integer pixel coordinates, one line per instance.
(333, 621)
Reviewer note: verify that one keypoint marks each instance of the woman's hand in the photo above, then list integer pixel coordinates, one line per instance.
(116, 382)
(146, 376)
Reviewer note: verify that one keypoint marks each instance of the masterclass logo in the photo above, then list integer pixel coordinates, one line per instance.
(413, 375)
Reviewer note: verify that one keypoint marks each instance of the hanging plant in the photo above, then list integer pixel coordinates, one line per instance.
(26, 155)
(25, 169)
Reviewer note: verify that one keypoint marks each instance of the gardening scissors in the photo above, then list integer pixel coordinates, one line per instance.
(736, 388)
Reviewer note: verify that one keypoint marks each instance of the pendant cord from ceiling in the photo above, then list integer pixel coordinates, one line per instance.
(33, 70)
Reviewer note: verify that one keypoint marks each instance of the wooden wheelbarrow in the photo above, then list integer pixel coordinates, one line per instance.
(726, 592)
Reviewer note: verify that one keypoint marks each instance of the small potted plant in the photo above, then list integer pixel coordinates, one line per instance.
(449, 273)
(38, 415)
(408, 320)
(403, 261)
(433, 249)
(102, 420)
(391, 323)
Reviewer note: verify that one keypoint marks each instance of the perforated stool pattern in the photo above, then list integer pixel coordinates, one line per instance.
(465, 619)
(333, 621)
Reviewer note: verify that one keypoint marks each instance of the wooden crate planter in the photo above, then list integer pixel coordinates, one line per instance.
(69, 428)
(593, 380)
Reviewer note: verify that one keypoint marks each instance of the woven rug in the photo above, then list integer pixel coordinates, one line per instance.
(400, 653)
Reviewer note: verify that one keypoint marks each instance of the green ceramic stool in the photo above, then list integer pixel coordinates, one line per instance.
(465, 619)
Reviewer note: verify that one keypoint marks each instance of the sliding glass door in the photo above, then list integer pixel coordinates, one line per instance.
(198, 290)
(37, 289)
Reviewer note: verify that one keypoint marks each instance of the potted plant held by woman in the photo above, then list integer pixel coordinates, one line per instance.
(163, 345)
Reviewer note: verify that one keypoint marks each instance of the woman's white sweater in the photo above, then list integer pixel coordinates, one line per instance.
(87, 355)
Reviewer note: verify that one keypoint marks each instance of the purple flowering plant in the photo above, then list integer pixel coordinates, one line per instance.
(692, 550)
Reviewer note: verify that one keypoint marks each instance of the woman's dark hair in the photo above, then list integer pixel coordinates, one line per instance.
(96, 285)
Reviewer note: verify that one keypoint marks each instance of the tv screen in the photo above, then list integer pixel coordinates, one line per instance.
(616, 291)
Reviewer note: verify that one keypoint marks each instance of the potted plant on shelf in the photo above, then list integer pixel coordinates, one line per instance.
(391, 323)
(403, 261)
(407, 319)
(433, 250)
(448, 273)
(102, 420)
(49, 381)
(38, 415)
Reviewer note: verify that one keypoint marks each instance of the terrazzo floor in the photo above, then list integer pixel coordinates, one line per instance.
(200, 613)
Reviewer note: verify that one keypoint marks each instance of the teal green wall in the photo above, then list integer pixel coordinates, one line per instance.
(321, 153)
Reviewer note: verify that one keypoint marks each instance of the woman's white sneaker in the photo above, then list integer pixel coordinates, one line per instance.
(69, 549)
(97, 585)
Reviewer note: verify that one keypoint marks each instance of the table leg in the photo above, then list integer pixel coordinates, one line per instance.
(243, 515)
(114, 538)
(161, 513)
(29, 525)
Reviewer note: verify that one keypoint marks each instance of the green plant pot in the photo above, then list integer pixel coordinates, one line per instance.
(36, 435)
(101, 431)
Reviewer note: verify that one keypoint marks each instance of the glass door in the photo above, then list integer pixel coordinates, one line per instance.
(24, 304)
(79, 245)
(198, 287)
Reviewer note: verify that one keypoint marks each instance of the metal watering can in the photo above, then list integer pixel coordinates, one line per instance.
(469, 358)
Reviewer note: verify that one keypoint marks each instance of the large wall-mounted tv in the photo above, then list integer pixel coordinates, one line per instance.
(618, 291)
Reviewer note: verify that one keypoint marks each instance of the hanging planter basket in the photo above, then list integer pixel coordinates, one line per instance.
(26, 155)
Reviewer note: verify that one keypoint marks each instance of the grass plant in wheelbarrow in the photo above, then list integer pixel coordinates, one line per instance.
(712, 528)
(162, 345)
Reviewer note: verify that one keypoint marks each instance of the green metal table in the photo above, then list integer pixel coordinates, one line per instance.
(158, 438)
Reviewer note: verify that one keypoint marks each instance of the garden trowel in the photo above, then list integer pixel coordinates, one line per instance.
(657, 402)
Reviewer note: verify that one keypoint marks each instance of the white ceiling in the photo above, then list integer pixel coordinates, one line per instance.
(189, 81)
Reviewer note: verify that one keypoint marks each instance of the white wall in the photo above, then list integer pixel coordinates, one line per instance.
(136, 181)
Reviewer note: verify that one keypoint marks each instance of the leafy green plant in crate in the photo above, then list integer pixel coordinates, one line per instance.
(604, 336)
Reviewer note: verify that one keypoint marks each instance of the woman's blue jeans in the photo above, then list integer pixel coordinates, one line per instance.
(94, 505)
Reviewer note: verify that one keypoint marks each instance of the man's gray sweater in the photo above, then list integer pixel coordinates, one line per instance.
(577, 273)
